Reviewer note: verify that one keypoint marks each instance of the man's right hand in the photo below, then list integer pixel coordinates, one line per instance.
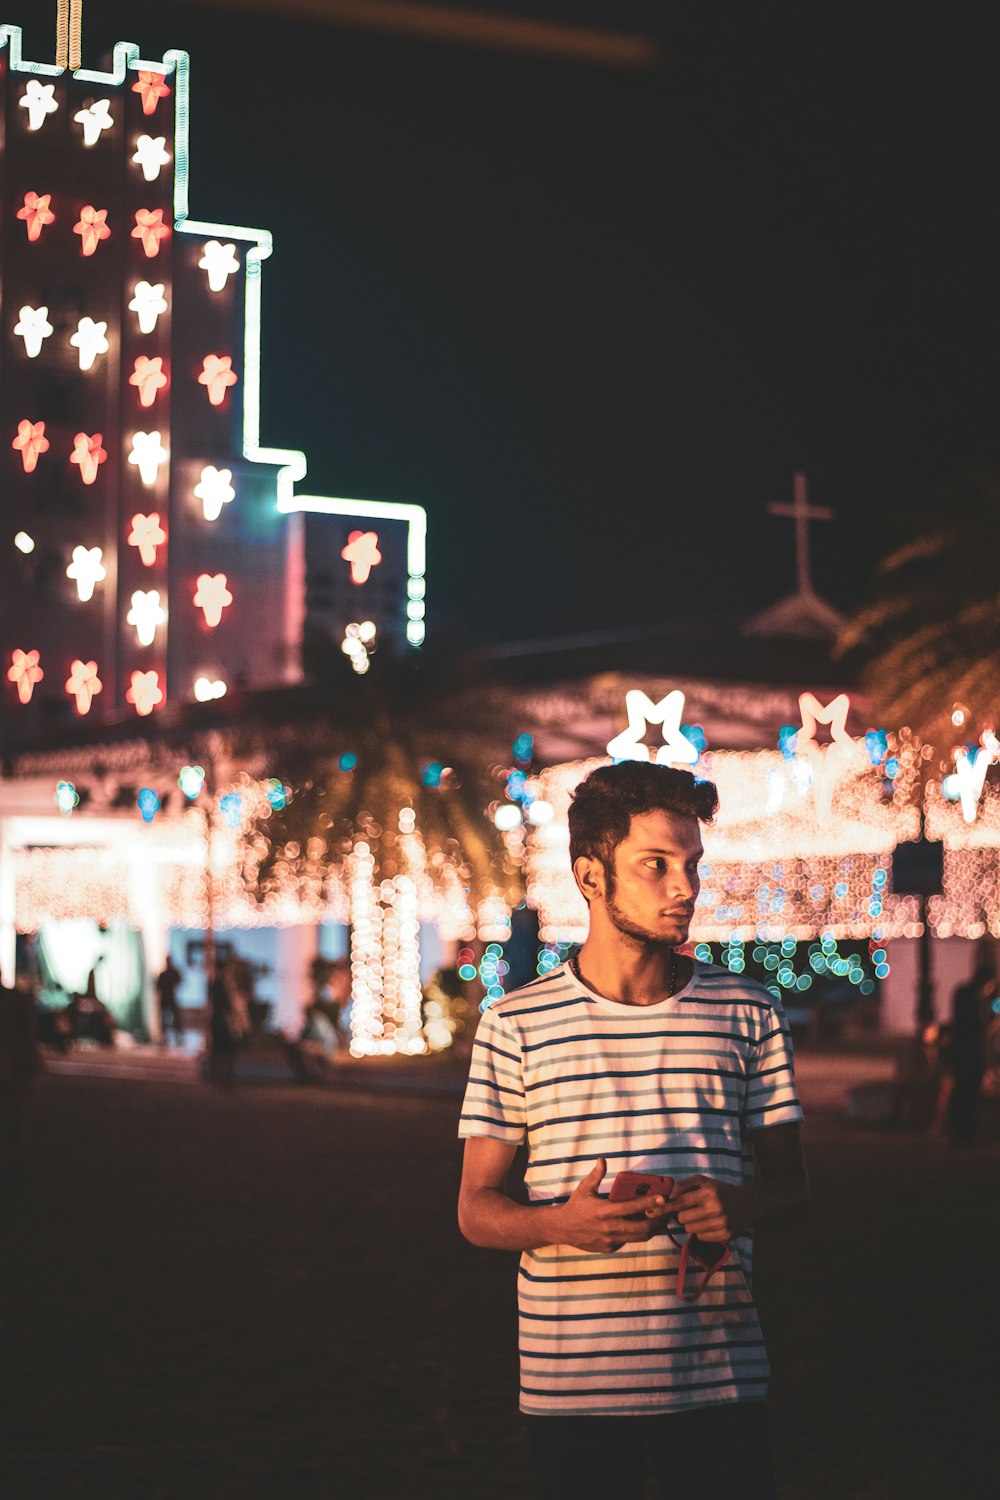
(589, 1222)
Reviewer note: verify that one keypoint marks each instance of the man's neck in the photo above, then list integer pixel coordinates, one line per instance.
(632, 973)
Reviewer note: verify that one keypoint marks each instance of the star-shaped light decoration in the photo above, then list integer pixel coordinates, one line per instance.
(36, 213)
(218, 375)
(148, 302)
(150, 229)
(30, 442)
(92, 227)
(220, 262)
(25, 672)
(145, 693)
(147, 454)
(33, 326)
(149, 378)
(214, 490)
(91, 339)
(146, 613)
(89, 454)
(147, 534)
(95, 120)
(152, 87)
(151, 155)
(84, 684)
(362, 553)
(212, 596)
(87, 570)
(813, 713)
(38, 99)
(642, 711)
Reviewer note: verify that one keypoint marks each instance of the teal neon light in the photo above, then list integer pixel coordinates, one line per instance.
(291, 463)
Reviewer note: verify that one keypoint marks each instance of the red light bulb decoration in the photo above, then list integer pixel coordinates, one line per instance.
(89, 454)
(92, 228)
(150, 229)
(362, 553)
(25, 672)
(149, 378)
(84, 684)
(145, 693)
(36, 213)
(147, 534)
(212, 596)
(217, 375)
(152, 87)
(30, 442)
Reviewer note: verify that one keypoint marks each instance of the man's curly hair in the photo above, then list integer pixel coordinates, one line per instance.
(603, 806)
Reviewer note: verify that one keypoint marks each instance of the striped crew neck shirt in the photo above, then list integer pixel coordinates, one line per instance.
(675, 1088)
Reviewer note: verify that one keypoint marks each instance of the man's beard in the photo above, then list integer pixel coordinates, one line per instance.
(626, 926)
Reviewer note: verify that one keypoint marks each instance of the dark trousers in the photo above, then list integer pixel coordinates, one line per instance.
(711, 1453)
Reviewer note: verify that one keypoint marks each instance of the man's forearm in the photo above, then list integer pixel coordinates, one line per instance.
(779, 1203)
(489, 1218)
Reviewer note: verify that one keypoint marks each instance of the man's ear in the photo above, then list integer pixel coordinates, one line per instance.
(588, 872)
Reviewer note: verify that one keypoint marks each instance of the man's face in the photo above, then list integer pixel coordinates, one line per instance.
(652, 894)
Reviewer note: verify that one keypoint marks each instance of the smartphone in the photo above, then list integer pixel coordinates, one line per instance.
(640, 1185)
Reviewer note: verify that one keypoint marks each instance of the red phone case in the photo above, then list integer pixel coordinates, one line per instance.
(639, 1185)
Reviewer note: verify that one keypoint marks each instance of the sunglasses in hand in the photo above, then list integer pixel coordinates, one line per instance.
(710, 1255)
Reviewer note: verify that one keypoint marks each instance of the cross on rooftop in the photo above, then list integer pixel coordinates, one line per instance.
(801, 512)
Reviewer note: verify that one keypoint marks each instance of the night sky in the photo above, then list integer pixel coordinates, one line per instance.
(593, 319)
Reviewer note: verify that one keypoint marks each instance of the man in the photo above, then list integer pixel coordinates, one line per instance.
(634, 1056)
(168, 982)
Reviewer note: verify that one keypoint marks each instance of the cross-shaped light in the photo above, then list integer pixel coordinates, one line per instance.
(148, 453)
(220, 262)
(87, 570)
(95, 120)
(25, 672)
(83, 684)
(89, 454)
(145, 692)
(218, 375)
(212, 596)
(91, 340)
(148, 302)
(92, 228)
(146, 613)
(36, 213)
(148, 377)
(214, 491)
(150, 229)
(33, 326)
(151, 155)
(147, 534)
(30, 442)
(362, 553)
(38, 100)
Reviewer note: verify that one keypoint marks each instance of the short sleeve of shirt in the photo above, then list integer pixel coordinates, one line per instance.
(494, 1098)
(771, 1096)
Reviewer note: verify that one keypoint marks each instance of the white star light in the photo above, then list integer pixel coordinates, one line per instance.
(33, 327)
(90, 338)
(38, 101)
(220, 262)
(675, 750)
(87, 570)
(148, 303)
(95, 120)
(214, 491)
(151, 155)
(148, 453)
(146, 613)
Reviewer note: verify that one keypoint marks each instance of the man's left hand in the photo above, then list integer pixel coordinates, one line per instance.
(706, 1209)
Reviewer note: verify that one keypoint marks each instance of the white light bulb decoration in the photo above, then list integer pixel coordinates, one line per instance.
(90, 339)
(87, 570)
(146, 614)
(147, 454)
(95, 120)
(33, 326)
(214, 490)
(151, 155)
(220, 262)
(675, 750)
(38, 100)
(148, 302)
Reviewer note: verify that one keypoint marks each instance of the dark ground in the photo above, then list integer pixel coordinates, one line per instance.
(263, 1294)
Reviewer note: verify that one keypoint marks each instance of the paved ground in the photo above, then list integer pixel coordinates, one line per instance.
(225, 1297)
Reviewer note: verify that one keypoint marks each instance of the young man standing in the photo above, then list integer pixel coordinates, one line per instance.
(635, 1057)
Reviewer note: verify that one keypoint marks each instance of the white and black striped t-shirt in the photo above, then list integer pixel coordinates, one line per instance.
(673, 1088)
